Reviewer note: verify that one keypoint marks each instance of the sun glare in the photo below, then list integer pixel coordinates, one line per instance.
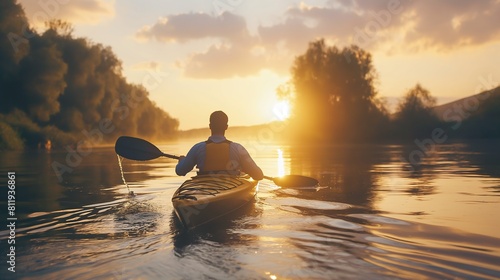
(282, 110)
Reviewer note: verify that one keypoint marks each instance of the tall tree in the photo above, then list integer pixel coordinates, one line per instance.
(415, 116)
(335, 98)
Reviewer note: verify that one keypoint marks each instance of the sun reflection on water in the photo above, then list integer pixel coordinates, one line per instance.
(281, 163)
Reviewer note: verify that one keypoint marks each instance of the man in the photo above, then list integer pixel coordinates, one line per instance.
(218, 155)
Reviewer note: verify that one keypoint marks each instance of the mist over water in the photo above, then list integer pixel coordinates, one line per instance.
(372, 217)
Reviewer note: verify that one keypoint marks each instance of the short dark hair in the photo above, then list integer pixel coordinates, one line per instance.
(218, 120)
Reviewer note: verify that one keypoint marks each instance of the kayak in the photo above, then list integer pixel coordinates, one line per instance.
(205, 198)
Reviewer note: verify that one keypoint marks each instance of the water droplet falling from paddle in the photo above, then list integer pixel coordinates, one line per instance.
(123, 177)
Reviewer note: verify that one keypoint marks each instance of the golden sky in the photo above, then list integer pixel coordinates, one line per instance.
(199, 56)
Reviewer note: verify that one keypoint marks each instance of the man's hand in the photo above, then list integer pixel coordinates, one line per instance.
(181, 158)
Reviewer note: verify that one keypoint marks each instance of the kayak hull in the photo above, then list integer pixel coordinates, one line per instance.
(207, 198)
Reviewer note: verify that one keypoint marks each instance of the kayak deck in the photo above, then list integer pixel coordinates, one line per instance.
(194, 188)
(205, 198)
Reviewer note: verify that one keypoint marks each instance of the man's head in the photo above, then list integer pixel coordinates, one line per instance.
(218, 122)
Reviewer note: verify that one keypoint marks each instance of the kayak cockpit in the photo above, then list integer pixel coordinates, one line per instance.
(208, 185)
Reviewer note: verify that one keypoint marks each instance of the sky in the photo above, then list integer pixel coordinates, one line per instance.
(199, 56)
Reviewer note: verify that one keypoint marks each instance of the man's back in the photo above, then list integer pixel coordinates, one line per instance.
(218, 155)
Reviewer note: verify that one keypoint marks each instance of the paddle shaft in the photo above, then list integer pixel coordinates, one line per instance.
(139, 149)
(290, 180)
(170, 156)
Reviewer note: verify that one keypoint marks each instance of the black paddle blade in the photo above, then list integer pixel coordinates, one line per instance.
(295, 181)
(136, 148)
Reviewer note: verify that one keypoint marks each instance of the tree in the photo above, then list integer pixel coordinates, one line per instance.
(335, 98)
(56, 87)
(41, 80)
(14, 45)
(415, 116)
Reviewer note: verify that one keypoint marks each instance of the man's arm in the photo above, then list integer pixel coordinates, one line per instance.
(248, 165)
(188, 162)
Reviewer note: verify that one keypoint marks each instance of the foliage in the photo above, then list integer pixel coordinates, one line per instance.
(9, 139)
(335, 98)
(24, 127)
(57, 87)
(414, 116)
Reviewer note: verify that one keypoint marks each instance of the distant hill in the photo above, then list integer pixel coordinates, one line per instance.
(269, 131)
(468, 104)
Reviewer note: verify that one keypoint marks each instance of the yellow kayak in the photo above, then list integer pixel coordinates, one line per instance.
(203, 199)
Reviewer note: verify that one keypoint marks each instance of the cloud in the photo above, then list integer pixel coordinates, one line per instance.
(224, 61)
(293, 33)
(76, 12)
(387, 26)
(412, 25)
(147, 65)
(193, 26)
(453, 23)
(341, 21)
(235, 55)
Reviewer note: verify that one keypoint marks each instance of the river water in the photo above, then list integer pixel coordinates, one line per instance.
(374, 216)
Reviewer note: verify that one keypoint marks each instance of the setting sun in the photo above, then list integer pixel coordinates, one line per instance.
(282, 110)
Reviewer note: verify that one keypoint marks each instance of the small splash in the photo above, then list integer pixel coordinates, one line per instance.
(130, 193)
(134, 207)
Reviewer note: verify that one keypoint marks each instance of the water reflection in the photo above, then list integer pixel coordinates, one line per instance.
(281, 163)
(96, 179)
(372, 217)
(483, 156)
(220, 231)
(463, 256)
(34, 174)
(347, 170)
(218, 245)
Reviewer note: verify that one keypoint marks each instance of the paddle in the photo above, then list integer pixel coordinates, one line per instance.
(293, 181)
(140, 149)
